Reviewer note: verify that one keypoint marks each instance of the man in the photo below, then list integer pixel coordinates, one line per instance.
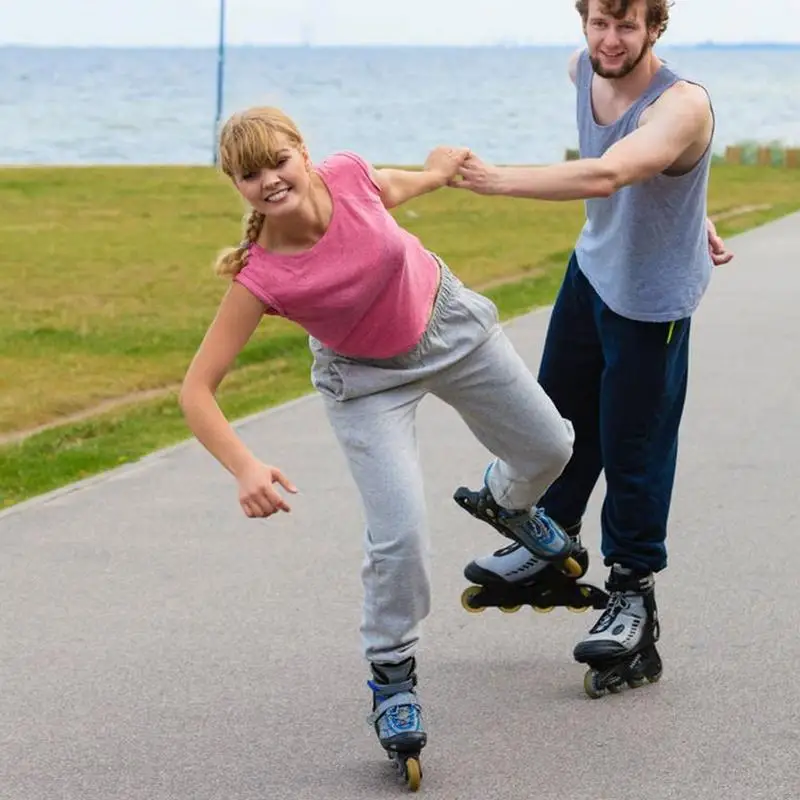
(615, 360)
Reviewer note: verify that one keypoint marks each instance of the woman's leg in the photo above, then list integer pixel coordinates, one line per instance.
(509, 413)
(378, 436)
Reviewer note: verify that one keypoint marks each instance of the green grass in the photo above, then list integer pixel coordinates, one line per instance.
(107, 289)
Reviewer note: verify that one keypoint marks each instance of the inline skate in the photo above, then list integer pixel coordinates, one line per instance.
(397, 718)
(532, 529)
(620, 648)
(512, 577)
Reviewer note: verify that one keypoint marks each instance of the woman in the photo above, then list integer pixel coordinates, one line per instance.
(388, 323)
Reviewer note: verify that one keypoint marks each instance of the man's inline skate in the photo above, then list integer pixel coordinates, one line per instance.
(620, 648)
(397, 718)
(541, 568)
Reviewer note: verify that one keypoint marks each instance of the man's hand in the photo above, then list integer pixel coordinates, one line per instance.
(476, 176)
(716, 247)
(397, 186)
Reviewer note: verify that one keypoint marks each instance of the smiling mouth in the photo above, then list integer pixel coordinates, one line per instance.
(276, 197)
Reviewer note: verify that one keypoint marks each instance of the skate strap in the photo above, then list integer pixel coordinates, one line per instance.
(629, 584)
(398, 699)
(387, 689)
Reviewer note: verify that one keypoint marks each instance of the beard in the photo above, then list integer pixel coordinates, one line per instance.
(628, 65)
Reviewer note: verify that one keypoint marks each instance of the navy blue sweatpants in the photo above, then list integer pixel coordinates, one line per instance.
(622, 383)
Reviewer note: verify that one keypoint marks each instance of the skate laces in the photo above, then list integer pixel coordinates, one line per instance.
(540, 524)
(532, 521)
(541, 529)
(617, 602)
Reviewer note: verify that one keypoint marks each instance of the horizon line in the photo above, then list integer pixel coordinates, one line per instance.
(499, 44)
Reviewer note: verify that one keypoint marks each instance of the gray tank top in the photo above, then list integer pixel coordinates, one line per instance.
(645, 248)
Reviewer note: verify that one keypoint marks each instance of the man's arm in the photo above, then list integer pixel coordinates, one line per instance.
(676, 122)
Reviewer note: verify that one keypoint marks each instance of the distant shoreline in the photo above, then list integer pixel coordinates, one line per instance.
(492, 46)
(511, 104)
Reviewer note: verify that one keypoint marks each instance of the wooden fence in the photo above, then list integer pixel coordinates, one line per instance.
(764, 156)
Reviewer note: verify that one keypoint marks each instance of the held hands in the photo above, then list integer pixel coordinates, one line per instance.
(257, 496)
(444, 162)
(716, 247)
(475, 175)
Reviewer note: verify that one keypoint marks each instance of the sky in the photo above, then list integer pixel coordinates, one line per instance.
(458, 22)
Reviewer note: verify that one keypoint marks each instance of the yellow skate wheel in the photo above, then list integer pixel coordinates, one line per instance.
(413, 774)
(543, 609)
(468, 594)
(580, 609)
(572, 568)
(510, 609)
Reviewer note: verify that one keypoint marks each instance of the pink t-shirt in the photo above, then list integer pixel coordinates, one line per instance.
(365, 289)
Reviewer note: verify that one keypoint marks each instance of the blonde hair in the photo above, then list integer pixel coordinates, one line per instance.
(249, 141)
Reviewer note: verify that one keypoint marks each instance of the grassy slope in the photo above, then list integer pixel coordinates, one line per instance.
(106, 290)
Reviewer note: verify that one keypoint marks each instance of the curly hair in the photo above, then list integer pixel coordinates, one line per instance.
(249, 141)
(657, 11)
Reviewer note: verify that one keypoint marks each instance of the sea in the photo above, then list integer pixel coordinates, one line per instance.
(76, 106)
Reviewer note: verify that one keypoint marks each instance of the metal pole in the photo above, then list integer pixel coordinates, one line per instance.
(220, 77)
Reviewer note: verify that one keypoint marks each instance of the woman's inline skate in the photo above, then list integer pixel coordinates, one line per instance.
(397, 718)
(541, 568)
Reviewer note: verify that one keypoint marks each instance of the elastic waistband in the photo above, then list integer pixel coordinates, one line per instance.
(449, 285)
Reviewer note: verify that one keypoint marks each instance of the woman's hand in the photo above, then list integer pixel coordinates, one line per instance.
(444, 162)
(257, 495)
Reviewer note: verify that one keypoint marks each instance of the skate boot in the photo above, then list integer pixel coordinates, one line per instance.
(533, 529)
(397, 717)
(621, 646)
(512, 577)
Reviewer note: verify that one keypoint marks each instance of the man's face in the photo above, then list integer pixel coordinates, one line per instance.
(617, 46)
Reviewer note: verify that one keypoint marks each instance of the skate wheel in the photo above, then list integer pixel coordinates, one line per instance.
(590, 685)
(572, 568)
(543, 609)
(635, 683)
(510, 609)
(654, 678)
(584, 592)
(413, 772)
(469, 594)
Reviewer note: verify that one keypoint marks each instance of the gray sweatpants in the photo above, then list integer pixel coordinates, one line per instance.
(466, 360)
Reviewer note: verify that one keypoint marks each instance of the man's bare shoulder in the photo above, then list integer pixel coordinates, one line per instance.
(684, 96)
(573, 65)
(688, 92)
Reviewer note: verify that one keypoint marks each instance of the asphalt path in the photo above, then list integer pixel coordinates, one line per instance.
(156, 644)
